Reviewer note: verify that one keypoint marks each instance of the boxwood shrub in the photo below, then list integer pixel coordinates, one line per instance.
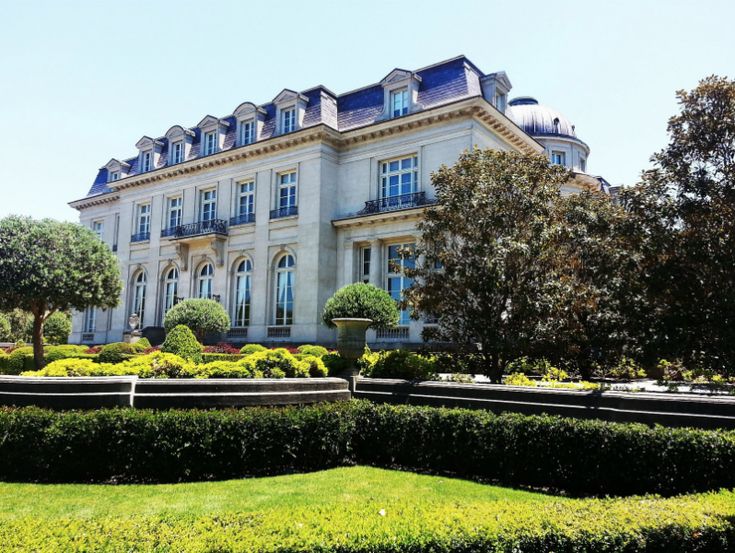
(580, 457)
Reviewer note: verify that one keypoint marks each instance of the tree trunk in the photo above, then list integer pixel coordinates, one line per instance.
(38, 360)
(495, 373)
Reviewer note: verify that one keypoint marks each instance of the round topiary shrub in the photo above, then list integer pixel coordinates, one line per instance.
(247, 349)
(316, 351)
(17, 363)
(181, 341)
(275, 364)
(363, 301)
(160, 365)
(57, 328)
(397, 363)
(201, 315)
(141, 345)
(115, 352)
(315, 365)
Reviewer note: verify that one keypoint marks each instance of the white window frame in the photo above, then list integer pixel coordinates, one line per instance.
(583, 164)
(246, 192)
(174, 204)
(399, 101)
(386, 173)
(288, 115)
(393, 273)
(210, 142)
(247, 132)
(291, 186)
(205, 281)
(170, 288)
(89, 323)
(143, 219)
(146, 161)
(114, 175)
(562, 156)
(205, 201)
(286, 276)
(242, 294)
(365, 260)
(177, 152)
(98, 227)
(139, 291)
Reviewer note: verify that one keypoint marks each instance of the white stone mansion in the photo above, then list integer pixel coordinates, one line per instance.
(273, 208)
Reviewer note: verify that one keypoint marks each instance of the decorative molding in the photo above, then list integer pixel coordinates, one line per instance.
(217, 245)
(182, 251)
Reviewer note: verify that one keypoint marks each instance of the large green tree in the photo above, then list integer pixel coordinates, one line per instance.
(48, 266)
(684, 213)
(484, 253)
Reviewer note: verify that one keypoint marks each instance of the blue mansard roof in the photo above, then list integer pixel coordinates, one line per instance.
(438, 84)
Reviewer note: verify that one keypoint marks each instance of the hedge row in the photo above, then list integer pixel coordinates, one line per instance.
(701, 524)
(577, 456)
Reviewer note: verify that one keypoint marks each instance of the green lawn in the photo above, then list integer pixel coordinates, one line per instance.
(350, 509)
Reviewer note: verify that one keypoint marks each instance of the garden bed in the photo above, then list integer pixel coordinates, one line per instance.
(356, 509)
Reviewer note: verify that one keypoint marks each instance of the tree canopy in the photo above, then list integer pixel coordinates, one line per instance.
(48, 266)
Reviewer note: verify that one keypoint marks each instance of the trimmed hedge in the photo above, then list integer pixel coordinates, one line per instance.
(701, 524)
(578, 456)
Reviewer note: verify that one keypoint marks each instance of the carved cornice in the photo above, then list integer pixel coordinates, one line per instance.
(476, 107)
(94, 200)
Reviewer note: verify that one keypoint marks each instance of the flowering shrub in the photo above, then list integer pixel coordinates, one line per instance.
(222, 347)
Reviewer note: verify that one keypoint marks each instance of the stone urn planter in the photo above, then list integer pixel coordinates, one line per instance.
(351, 343)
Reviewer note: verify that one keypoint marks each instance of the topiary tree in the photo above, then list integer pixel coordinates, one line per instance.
(48, 266)
(201, 315)
(363, 301)
(57, 328)
(182, 342)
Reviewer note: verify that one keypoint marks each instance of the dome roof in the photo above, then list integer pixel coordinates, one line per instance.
(539, 120)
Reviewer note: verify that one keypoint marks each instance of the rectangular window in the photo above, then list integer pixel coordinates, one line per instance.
(145, 163)
(208, 205)
(582, 164)
(177, 152)
(98, 228)
(173, 217)
(287, 190)
(90, 320)
(247, 132)
(399, 177)
(210, 143)
(399, 102)
(558, 158)
(115, 175)
(365, 254)
(399, 258)
(144, 220)
(246, 199)
(115, 232)
(288, 120)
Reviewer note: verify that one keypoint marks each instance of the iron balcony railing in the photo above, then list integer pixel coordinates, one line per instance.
(214, 226)
(391, 203)
(140, 237)
(284, 212)
(243, 219)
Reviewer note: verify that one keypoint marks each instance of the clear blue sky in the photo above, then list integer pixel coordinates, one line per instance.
(81, 82)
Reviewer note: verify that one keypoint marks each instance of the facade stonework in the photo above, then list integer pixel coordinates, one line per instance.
(272, 209)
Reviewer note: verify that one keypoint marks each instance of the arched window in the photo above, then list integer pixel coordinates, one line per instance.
(243, 276)
(139, 284)
(170, 289)
(204, 281)
(284, 290)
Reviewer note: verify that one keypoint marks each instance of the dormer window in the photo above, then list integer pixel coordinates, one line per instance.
(146, 161)
(290, 110)
(210, 143)
(115, 175)
(399, 102)
(179, 144)
(177, 152)
(400, 93)
(288, 120)
(116, 170)
(247, 132)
